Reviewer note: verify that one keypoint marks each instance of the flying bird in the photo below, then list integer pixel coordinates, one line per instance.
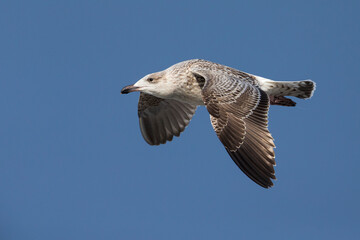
(237, 102)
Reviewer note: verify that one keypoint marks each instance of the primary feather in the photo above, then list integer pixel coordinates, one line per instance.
(237, 102)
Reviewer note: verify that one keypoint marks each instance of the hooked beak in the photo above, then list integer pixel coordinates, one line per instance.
(129, 89)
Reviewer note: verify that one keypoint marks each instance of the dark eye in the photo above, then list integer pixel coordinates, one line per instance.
(150, 79)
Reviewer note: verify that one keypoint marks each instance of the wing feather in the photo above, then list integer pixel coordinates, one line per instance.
(239, 115)
(161, 119)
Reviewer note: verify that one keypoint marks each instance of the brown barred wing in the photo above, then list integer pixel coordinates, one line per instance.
(238, 113)
(161, 119)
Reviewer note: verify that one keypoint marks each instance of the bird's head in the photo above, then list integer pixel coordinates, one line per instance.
(155, 84)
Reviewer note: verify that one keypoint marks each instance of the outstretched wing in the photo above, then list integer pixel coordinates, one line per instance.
(238, 113)
(161, 119)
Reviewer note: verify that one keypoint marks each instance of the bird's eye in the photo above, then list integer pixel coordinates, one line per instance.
(150, 79)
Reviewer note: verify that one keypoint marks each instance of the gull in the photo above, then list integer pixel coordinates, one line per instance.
(237, 102)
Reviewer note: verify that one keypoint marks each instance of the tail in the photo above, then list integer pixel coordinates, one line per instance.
(300, 89)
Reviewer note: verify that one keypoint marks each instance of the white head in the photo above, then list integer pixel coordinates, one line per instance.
(156, 84)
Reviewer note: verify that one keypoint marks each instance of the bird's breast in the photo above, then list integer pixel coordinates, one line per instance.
(189, 92)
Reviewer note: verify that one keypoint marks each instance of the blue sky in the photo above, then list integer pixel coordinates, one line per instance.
(73, 164)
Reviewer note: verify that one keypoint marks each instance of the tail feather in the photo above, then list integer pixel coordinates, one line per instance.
(300, 89)
(306, 89)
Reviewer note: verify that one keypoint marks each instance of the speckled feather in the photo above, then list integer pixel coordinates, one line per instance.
(237, 102)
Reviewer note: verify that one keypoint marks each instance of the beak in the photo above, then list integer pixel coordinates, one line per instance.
(129, 89)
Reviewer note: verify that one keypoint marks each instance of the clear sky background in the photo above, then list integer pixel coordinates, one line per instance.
(73, 164)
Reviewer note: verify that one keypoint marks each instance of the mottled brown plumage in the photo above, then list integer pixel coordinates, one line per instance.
(161, 119)
(237, 102)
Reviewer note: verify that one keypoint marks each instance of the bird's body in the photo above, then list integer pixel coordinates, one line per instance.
(237, 102)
